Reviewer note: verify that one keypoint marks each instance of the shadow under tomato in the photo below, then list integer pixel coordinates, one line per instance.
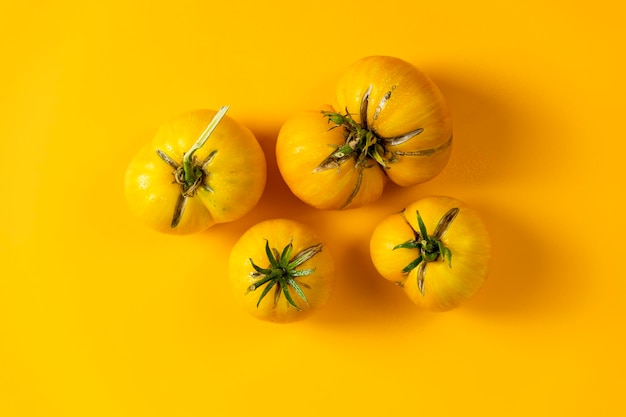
(484, 145)
(484, 133)
(277, 200)
(361, 297)
(533, 273)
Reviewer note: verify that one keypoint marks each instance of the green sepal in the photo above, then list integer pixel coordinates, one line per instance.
(260, 282)
(336, 118)
(446, 253)
(267, 289)
(281, 273)
(286, 255)
(302, 272)
(304, 256)
(282, 281)
(421, 277)
(270, 255)
(298, 290)
(430, 248)
(413, 264)
(422, 226)
(258, 269)
(409, 244)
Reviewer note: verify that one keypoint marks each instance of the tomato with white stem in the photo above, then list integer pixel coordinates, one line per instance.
(390, 122)
(281, 271)
(437, 249)
(200, 169)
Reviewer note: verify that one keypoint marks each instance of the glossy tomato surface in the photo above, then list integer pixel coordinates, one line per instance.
(231, 163)
(394, 99)
(303, 142)
(314, 274)
(458, 266)
(390, 121)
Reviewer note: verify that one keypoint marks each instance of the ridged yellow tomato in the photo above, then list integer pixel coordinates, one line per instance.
(390, 121)
(437, 249)
(200, 169)
(406, 112)
(303, 142)
(281, 271)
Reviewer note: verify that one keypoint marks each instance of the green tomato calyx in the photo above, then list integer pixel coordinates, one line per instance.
(430, 247)
(363, 143)
(282, 273)
(192, 174)
(360, 143)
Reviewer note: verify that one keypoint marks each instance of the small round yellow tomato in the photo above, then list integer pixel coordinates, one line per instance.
(437, 249)
(390, 121)
(200, 169)
(280, 271)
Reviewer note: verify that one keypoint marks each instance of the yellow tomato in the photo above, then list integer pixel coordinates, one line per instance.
(281, 271)
(303, 142)
(390, 121)
(437, 249)
(406, 112)
(200, 169)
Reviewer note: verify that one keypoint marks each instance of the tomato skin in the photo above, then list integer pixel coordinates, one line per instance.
(303, 142)
(278, 233)
(390, 119)
(446, 286)
(409, 101)
(236, 175)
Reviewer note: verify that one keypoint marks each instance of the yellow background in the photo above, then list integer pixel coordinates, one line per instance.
(100, 316)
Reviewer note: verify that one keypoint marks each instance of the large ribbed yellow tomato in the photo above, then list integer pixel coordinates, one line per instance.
(437, 249)
(281, 271)
(303, 143)
(200, 169)
(390, 121)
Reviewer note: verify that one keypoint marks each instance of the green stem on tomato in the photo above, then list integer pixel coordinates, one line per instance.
(191, 171)
(282, 273)
(190, 174)
(362, 142)
(430, 247)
